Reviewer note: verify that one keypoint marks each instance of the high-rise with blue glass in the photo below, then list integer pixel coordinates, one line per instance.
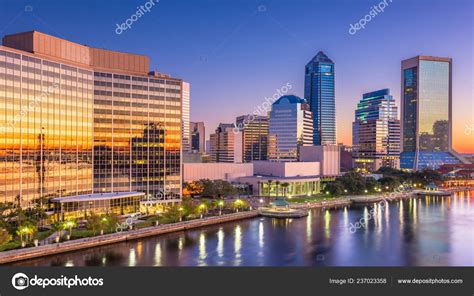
(426, 102)
(376, 132)
(319, 93)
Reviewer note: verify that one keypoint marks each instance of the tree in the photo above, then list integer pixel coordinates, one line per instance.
(203, 207)
(269, 185)
(285, 186)
(217, 204)
(277, 183)
(172, 215)
(389, 182)
(239, 204)
(26, 230)
(94, 223)
(108, 222)
(352, 181)
(69, 224)
(58, 227)
(335, 188)
(5, 237)
(192, 188)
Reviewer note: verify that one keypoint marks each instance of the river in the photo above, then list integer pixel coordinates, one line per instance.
(427, 231)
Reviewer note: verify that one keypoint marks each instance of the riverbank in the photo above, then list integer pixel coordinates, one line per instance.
(84, 243)
(89, 242)
(354, 199)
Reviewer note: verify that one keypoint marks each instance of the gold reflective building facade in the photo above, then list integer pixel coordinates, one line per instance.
(46, 127)
(78, 120)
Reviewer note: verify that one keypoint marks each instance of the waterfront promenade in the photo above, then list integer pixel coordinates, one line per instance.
(89, 242)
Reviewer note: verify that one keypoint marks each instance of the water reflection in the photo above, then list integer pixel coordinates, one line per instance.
(426, 231)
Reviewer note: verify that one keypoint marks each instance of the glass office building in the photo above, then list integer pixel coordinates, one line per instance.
(319, 92)
(226, 144)
(46, 128)
(426, 113)
(255, 136)
(376, 132)
(137, 134)
(198, 137)
(186, 128)
(290, 126)
(76, 120)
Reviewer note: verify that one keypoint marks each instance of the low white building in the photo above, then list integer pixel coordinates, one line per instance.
(329, 156)
(284, 178)
(217, 171)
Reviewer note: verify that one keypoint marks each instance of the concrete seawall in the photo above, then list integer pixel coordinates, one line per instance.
(89, 242)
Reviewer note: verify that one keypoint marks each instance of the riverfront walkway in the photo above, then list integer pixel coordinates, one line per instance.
(89, 242)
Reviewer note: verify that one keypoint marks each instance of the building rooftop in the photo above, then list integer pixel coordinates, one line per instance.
(289, 99)
(62, 50)
(321, 57)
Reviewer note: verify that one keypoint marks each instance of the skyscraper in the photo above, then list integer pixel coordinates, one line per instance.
(186, 132)
(255, 136)
(226, 144)
(81, 120)
(319, 92)
(426, 102)
(290, 126)
(198, 137)
(376, 132)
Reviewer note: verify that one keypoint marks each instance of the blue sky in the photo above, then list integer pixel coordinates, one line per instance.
(236, 53)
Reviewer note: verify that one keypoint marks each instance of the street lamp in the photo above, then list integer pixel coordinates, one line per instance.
(221, 204)
(180, 214)
(202, 208)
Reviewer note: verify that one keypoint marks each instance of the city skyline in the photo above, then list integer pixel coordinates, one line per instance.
(285, 39)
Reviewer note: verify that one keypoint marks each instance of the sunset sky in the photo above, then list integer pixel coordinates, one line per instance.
(236, 53)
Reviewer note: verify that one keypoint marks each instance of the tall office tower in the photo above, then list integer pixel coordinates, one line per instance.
(376, 132)
(426, 106)
(319, 92)
(198, 137)
(290, 126)
(226, 144)
(80, 120)
(186, 132)
(255, 136)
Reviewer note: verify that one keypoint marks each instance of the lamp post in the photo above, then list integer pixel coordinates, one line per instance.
(221, 204)
(180, 214)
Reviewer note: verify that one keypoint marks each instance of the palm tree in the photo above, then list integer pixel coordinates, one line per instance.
(58, 227)
(285, 187)
(277, 188)
(269, 182)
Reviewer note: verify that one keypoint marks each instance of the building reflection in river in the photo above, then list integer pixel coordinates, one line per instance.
(422, 232)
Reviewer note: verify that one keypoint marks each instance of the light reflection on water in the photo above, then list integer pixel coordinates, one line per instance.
(421, 232)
